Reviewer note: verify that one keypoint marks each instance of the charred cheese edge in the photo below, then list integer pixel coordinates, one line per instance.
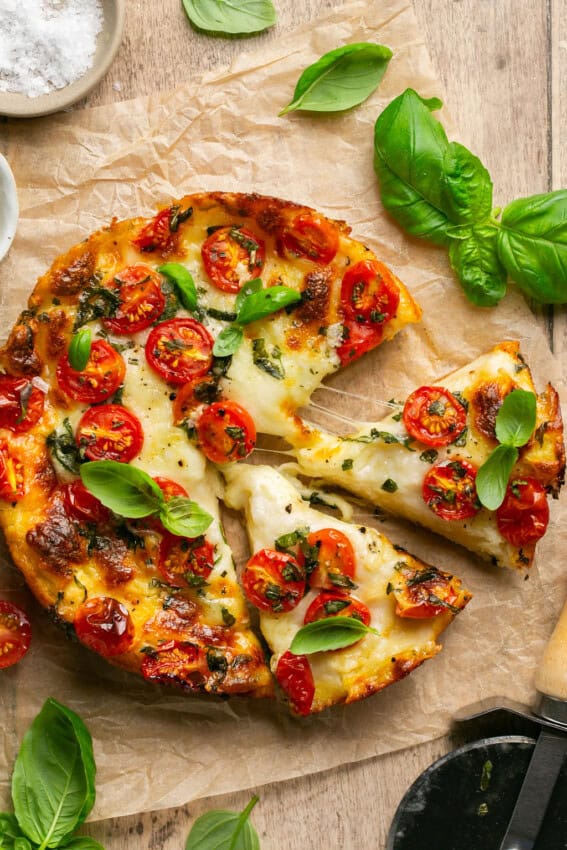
(273, 506)
(361, 464)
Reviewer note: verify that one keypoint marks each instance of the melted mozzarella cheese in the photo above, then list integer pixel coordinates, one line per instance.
(273, 506)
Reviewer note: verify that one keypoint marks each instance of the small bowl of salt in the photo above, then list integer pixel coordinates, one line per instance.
(53, 52)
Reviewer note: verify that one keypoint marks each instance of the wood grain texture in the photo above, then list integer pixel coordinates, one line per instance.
(503, 65)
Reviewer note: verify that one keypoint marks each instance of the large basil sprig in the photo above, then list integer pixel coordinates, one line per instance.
(130, 492)
(53, 783)
(224, 830)
(230, 17)
(253, 303)
(515, 424)
(340, 79)
(438, 190)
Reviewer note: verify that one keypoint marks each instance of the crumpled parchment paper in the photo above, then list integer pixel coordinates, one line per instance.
(156, 748)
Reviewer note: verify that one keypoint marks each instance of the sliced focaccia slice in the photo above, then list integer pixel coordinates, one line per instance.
(307, 566)
(420, 462)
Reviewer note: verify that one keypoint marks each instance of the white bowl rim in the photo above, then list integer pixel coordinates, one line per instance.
(10, 208)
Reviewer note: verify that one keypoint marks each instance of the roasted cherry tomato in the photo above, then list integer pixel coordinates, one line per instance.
(160, 234)
(310, 236)
(21, 404)
(226, 432)
(100, 378)
(330, 562)
(12, 477)
(523, 516)
(193, 394)
(141, 300)
(328, 604)
(369, 293)
(180, 350)
(449, 489)
(177, 663)
(82, 505)
(15, 633)
(105, 626)
(296, 680)
(186, 561)
(434, 416)
(110, 432)
(273, 581)
(425, 593)
(232, 256)
(358, 339)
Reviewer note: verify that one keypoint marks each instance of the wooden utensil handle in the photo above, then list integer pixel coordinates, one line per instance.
(551, 677)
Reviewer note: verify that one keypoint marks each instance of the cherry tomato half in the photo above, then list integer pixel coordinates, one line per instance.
(105, 626)
(177, 663)
(21, 404)
(186, 561)
(180, 350)
(523, 516)
(203, 390)
(141, 300)
(434, 416)
(424, 593)
(358, 339)
(328, 604)
(226, 432)
(273, 581)
(82, 505)
(333, 565)
(310, 236)
(12, 477)
(161, 233)
(110, 432)
(369, 293)
(449, 489)
(232, 256)
(295, 678)
(15, 633)
(100, 378)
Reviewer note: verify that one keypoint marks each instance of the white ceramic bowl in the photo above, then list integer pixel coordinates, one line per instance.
(9, 209)
(108, 42)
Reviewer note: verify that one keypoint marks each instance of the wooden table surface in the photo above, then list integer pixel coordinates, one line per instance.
(503, 64)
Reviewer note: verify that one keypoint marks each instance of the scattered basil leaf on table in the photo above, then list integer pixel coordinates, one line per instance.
(224, 830)
(10, 832)
(329, 633)
(53, 786)
(184, 517)
(183, 283)
(253, 303)
(80, 349)
(532, 244)
(475, 261)
(340, 79)
(515, 423)
(230, 17)
(83, 842)
(467, 194)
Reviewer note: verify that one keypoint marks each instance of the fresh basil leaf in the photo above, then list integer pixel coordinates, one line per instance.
(183, 283)
(22, 843)
(412, 154)
(10, 831)
(228, 341)
(247, 289)
(223, 830)
(126, 490)
(265, 302)
(475, 262)
(329, 633)
(83, 842)
(467, 194)
(533, 245)
(53, 784)
(340, 79)
(516, 419)
(80, 349)
(183, 517)
(492, 477)
(230, 17)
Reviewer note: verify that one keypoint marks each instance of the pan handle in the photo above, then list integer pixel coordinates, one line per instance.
(551, 676)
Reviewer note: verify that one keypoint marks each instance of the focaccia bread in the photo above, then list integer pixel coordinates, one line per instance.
(420, 462)
(307, 566)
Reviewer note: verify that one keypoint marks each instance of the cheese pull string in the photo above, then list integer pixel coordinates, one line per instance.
(392, 405)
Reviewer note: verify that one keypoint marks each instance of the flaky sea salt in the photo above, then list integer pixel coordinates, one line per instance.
(46, 44)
